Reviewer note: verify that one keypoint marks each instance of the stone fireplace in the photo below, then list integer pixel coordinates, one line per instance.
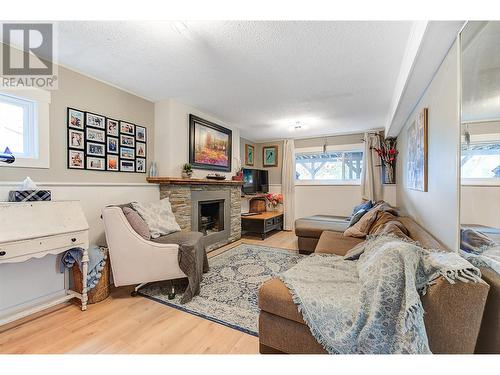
(210, 207)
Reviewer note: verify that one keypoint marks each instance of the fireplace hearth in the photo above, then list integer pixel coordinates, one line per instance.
(211, 216)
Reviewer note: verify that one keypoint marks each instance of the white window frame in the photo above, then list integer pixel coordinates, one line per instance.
(492, 137)
(38, 137)
(358, 147)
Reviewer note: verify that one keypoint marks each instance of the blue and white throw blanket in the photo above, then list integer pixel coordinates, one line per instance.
(97, 261)
(372, 305)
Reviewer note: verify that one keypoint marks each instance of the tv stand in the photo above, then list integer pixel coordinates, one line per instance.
(262, 223)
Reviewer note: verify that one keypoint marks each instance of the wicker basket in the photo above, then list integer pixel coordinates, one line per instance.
(101, 290)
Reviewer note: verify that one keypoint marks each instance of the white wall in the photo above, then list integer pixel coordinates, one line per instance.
(437, 209)
(480, 205)
(333, 200)
(23, 284)
(172, 138)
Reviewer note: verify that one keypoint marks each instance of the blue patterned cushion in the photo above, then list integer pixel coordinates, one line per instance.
(358, 215)
(363, 206)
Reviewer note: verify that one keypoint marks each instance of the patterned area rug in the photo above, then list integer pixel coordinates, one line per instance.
(229, 290)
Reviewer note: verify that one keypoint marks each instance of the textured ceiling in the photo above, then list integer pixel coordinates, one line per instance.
(334, 77)
(481, 72)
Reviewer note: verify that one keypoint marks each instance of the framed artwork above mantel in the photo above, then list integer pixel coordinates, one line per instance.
(210, 145)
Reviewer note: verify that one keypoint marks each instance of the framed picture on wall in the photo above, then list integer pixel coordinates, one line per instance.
(127, 166)
(140, 150)
(270, 156)
(95, 135)
(112, 145)
(127, 140)
(96, 142)
(209, 145)
(127, 128)
(76, 139)
(127, 153)
(140, 165)
(112, 163)
(75, 118)
(94, 120)
(96, 149)
(416, 177)
(140, 133)
(76, 159)
(112, 127)
(249, 154)
(95, 163)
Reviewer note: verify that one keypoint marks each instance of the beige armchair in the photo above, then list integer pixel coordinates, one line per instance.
(135, 260)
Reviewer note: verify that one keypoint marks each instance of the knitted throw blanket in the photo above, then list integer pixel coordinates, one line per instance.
(372, 305)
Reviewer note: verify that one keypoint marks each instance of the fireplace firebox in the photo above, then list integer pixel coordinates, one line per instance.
(211, 216)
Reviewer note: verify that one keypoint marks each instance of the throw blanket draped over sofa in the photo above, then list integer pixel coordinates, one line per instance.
(372, 305)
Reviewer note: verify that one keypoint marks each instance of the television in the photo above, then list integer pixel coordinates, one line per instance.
(255, 181)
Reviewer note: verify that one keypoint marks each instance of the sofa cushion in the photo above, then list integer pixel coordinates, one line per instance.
(275, 298)
(336, 243)
(387, 223)
(137, 222)
(313, 226)
(158, 216)
(361, 228)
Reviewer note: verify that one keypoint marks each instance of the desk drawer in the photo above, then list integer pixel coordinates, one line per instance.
(43, 244)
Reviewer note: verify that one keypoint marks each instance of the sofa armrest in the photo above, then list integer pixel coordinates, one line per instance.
(489, 334)
(453, 314)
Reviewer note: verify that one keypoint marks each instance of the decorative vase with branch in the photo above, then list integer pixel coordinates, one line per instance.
(387, 154)
(273, 201)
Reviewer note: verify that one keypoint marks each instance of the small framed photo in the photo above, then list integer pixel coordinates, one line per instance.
(140, 165)
(140, 133)
(249, 154)
(270, 156)
(76, 139)
(95, 135)
(140, 150)
(112, 163)
(95, 163)
(127, 128)
(96, 149)
(112, 145)
(127, 166)
(75, 118)
(112, 127)
(127, 153)
(127, 140)
(95, 121)
(76, 159)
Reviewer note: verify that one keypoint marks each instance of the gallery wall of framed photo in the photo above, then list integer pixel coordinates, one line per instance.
(100, 143)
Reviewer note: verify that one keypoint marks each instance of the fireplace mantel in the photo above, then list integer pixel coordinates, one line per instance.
(190, 181)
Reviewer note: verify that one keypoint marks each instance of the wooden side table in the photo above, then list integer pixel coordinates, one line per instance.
(262, 223)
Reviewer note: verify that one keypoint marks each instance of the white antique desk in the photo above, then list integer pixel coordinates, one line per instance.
(35, 229)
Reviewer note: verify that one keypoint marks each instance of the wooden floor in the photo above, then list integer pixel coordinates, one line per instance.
(124, 324)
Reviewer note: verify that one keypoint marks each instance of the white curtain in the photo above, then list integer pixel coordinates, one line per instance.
(288, 184)
(371, 179)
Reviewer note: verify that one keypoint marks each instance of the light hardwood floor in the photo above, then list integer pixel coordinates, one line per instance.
(124, 324)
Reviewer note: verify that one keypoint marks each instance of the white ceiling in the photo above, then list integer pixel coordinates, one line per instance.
(334, 77)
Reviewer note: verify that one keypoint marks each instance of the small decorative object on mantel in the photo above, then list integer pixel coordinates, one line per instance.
(215, 176)
(187, 170)
(387, 153)
(273, 201)
(239, 171)
(153, 170)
